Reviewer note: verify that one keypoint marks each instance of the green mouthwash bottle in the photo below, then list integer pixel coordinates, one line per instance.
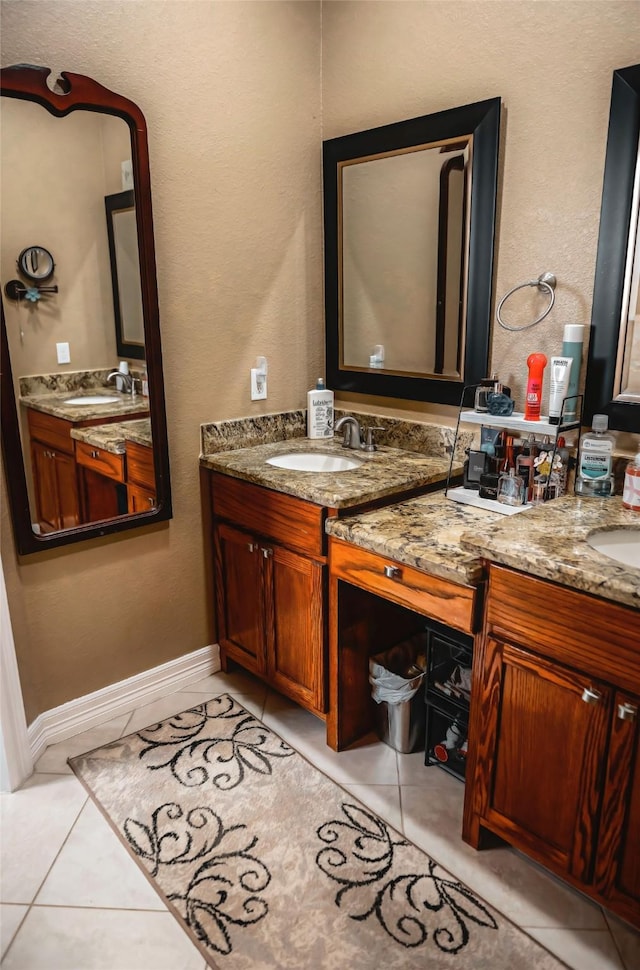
(594, 475)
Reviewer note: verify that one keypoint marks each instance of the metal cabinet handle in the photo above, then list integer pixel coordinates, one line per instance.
(151, 501)
(392, 572)
(627, 712)
(266, 552)
(591, 696)
(251, 546)
(95, 454)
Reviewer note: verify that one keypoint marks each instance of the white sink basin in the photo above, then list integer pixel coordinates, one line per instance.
(92, 399)
(623, 545)
(314, 462)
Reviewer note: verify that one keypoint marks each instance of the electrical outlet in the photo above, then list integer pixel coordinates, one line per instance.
(258, 385)
(64, 356)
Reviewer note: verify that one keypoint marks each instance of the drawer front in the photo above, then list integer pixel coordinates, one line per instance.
(100, 461)
(140, 468)
(450, 603)
(51, 431)
(292, 522)
(595, 636)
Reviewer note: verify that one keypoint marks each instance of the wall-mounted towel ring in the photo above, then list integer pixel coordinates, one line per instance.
(545, 282)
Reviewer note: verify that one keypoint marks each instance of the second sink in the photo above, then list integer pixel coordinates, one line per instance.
(623, 545)
(314, 462)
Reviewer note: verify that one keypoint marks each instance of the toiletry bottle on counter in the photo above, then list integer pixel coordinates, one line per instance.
(594, 476)
(631, 493)
(320, 411)
(536, 364)
(572, 347)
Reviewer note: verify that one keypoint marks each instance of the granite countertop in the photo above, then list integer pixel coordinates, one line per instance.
(383, 473)
(423, 532)
(114, 437)
(549, 541)
(54, 404)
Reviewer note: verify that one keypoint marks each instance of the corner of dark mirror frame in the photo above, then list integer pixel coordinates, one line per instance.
(29, 83)
(615, 215)
(482, 120)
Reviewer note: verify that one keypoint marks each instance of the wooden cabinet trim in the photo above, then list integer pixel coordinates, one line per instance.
(52, 431)
(596, 636)
(289, 521)
(449, 603)
(100, 461)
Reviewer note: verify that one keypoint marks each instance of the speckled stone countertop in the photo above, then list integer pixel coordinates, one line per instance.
(114, 437)
(54, 404)
(382, 473)
(549, 541)
(423, 532)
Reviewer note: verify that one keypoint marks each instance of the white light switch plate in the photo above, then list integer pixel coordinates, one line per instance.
(258, 385)
(64, 355)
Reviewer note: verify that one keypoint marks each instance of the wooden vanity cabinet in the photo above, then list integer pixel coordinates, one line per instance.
(53, 465)
(101, 476)
(270, 579)
(554, 765)
(141, 481)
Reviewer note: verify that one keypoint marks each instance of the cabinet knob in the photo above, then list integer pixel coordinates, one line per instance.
(591, 696)
(266, 552)
(392, 572)
(627, 712)
(251, 546)
(151, 501)
(95, 454)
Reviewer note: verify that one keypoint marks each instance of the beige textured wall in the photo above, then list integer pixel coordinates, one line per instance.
(551, 63)
(231, 95)
(231, 92)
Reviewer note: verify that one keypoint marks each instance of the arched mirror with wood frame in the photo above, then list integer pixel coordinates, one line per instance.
(84, 433)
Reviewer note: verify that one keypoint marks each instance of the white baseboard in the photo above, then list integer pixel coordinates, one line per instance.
(102, 705)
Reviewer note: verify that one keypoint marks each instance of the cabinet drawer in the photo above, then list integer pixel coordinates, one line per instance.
(100, 461)
(51, 431)
(292, 522)
(450, 603)
(596, 636)
(140, 468)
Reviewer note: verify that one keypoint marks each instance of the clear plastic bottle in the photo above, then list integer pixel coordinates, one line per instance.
(594, 475)
(631, 493)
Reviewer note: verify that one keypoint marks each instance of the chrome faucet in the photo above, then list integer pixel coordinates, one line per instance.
(127, 381)
(353, 434)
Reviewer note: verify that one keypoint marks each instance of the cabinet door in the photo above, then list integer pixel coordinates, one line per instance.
(45, 488)
(140, 499)
(240, 597)
(547, 740)
(67, 482)
(618, 869)
(295, 627)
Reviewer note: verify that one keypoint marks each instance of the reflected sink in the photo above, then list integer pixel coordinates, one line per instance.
(92, 399)
(623, 545)
(314, 462)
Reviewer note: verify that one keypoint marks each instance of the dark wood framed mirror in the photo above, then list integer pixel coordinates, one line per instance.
(612, 383)
(120, 210)
(110, 493)
(408, 271)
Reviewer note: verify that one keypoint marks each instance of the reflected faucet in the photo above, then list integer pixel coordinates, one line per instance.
(127, 381)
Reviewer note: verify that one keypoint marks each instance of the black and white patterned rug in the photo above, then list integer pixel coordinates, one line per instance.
(267, 863)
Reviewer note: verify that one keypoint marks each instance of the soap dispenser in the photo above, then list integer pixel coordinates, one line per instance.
(320, 411)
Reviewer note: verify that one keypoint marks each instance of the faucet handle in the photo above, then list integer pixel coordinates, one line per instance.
(369, 444)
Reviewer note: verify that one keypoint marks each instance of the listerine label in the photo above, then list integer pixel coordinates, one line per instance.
(595, 460)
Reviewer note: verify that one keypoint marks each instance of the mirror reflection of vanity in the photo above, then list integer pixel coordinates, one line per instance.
(613, 370)
(79, 448)
(409, 229)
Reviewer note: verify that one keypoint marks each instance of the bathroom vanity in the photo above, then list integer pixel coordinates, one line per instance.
(270, 547)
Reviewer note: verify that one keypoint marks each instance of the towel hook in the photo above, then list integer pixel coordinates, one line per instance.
(546, 281)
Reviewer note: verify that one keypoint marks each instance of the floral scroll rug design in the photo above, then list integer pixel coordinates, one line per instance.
(267, 863)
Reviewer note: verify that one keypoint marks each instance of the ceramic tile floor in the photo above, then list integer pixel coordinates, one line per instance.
(72, 898)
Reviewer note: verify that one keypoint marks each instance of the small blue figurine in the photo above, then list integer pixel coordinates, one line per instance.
(32, 293)
(500, 404)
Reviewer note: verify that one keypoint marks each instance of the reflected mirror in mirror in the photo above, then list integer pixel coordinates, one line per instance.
(125, 274)
(85, 451)
(612, 384)
(402, 273)
(409, 226)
